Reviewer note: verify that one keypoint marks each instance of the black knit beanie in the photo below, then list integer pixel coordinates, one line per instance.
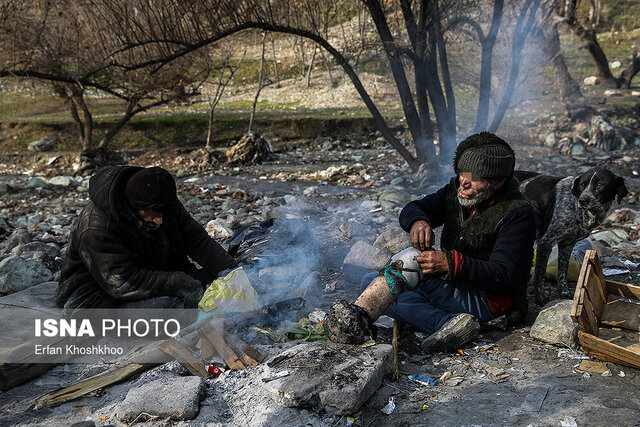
(151, 188)
(485, 155)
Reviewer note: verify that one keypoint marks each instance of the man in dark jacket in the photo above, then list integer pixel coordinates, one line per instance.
(482, 269)
(131, 243)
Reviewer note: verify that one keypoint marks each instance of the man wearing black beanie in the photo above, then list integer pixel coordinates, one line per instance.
(131, 244)
(486, 248)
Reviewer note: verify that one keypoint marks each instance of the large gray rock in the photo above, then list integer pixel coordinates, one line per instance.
(177, 398)
(35, 182)
(363, 258)
(64, 181)
(5, 188)
(19, 237)
(337, 378)
(50, 249)
(353, 228)
(394, 240)
(554, 325)
(46, 143)
(17, 274)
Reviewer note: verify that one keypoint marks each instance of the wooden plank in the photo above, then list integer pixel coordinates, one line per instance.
(254, 357)
(622, 314)
(186, 357)
(252, 352)
(593, 291)
(626, 339)
(580, 286)
(604, 350)
(206, 349)
(602, 281)
(104, 379)
(223, 349)
(589, 315)
(623, 289)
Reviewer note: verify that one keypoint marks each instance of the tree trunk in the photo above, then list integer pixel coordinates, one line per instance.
(275, 62)
(590, 42)
(487, 43)
(628, 73)
(568, 87)
(255, 100)
(108, 136)
(313, 59)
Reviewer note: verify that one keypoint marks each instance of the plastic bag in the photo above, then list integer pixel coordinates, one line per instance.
(575, 262)
(231, 293)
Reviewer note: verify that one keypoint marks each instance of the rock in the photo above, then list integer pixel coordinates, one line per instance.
(615, 64)
(369, 205)
(363, 258)
(34, 182)
(46, 143)
(250, 149)
(390, 199)
(345, 377)
(393, 240)
(353, 228)
(17, 274)
(194, 203)
(217, 229)
(19, 237)
(397, 181)
(5, 188)
(64, 181)
(591, 81)
(577, 150)
(635, 93)
(310, 191)
(612, 92)
(612, 237)
(551, 140)
(51, 250)
(554, 325)
(290, 199)
(177, 398)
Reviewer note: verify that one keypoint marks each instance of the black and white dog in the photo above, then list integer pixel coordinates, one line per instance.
(567, 209)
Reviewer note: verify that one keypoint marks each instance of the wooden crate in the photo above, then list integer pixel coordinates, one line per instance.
(608, 327)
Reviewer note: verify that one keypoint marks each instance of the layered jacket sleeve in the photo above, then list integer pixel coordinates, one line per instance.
(202, 248)
(430, 208)
(110, 262)
(510, 259)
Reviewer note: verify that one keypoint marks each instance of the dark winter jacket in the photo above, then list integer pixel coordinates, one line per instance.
(110, 253)
(502, 261)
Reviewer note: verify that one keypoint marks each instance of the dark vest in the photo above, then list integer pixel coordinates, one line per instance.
(476, 235)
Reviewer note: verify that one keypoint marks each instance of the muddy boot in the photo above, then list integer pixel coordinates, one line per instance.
(454, 334)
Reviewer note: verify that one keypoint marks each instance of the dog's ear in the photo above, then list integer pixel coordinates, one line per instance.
(621, 189)
(575, 188)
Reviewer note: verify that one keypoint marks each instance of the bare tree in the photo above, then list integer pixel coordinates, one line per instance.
(260, 85)
(586, 31)
(412, 34)
(58, 44)
(223, 81)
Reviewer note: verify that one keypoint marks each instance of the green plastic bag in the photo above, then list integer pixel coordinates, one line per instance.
(231, 293)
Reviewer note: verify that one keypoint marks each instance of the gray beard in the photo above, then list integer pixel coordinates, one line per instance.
(482, 196)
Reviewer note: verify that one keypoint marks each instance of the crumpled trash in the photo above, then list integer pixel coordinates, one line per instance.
(575, 262)
(389, 407)
(231, 293)
(423, 379)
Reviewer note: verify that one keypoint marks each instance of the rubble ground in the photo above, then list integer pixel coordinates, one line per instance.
(347, 192)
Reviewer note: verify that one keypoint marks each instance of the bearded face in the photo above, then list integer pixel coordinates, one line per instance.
(474, 190)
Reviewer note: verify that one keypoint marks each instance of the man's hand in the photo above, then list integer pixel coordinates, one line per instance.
(433, 262)
(422, 236)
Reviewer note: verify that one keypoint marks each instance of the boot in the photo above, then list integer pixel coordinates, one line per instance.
(454, 334)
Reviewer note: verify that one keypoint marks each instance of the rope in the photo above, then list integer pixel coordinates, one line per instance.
(394, 279)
